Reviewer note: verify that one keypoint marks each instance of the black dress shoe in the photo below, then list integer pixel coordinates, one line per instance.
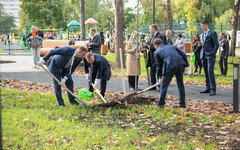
(182, 106)
(206, 91)
(212, 93)
(74, 103)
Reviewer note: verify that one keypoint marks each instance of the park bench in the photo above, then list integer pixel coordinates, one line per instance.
(51, 44)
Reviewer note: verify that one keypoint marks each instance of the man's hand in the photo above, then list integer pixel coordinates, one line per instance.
(96, 83)
(87, 76)
(64, 80)
(225, 57)
(159, 80)
(94, 86)
(41, 62)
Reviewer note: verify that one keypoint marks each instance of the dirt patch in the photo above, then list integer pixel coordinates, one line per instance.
(116, 99)
(6, 61)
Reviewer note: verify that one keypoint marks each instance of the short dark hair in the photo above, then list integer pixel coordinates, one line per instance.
(93, 29)
(157, 41)
(154, 26)
(83, 49)
(89, 54)
(179, 35)
(205, 22)
(223, 34)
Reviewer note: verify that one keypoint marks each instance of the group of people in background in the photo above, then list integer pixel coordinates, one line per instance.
(8, 38)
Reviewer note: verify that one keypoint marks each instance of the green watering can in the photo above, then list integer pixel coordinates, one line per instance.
(193, 58)
(85, 93)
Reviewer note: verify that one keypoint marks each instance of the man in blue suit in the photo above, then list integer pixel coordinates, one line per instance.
(209, 44)
(170, 61)
(100, 72)
(153, 29)
(63, 63)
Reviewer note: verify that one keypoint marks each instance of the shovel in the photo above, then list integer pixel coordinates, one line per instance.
(85, 104)
(149, 88)
(96, 90)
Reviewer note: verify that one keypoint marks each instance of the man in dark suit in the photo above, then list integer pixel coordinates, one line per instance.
(223, 53)
(209, 42)
(169, 40)
(94, 44)
(100, 72)
(151, 61)
(170, 61)
(63, 63)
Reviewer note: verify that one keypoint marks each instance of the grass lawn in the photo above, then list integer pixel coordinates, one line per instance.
(2, 51)
(34, 121)
(196, 77)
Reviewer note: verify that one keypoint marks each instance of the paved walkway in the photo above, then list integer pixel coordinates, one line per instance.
(22, 70)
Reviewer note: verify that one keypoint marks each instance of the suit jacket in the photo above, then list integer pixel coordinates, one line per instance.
(210, 45)
(223, 48)
(169, 41)
(151, 60)
(167, 58)
(96, 44)
(60, 59)
(101, 67)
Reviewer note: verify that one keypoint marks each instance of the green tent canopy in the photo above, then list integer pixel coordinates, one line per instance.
(73, 23)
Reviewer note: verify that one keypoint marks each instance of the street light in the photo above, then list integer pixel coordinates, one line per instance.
(236, 87)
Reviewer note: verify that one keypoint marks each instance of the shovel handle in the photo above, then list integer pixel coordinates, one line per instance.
(85, 104)
(96, 90)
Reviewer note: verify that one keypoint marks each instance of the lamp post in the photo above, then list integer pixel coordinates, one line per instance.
(236, 87)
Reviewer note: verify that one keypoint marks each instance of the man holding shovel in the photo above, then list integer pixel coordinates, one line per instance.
(170, 61)
(63, 63)
(100, 72)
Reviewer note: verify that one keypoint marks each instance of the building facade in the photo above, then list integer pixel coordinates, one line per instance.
(12, 7)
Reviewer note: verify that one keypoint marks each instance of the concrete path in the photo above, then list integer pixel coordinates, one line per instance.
(22, 70)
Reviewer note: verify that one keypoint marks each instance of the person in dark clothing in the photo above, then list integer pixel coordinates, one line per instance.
(40, 33)
(223, 53)
(168, 34)
(101, 33)
(153, 29)
(94, 44)
(196, 49)
(62, 65)
(170, 61)
(100, 71)
(209, 42)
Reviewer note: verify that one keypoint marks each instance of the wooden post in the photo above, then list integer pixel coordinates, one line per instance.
(123, 81)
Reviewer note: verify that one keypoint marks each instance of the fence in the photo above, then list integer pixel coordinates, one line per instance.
(182, 28)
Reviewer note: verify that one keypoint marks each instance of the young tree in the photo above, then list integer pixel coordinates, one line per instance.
(6, 22)
(169, 15)
(119, 23)
(234, 27)
(82, 19)
(191, 12)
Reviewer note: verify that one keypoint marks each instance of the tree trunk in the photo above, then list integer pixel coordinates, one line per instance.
(119, 23)
(169, 15)
(82, 20)
(234, 27)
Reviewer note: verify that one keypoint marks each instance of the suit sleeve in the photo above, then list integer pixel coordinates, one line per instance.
(227, 48)
(184, 56)
(57, 51)
(215, 43)
(97, 42)
(86, 64)
(99, 69)
(159, 64)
